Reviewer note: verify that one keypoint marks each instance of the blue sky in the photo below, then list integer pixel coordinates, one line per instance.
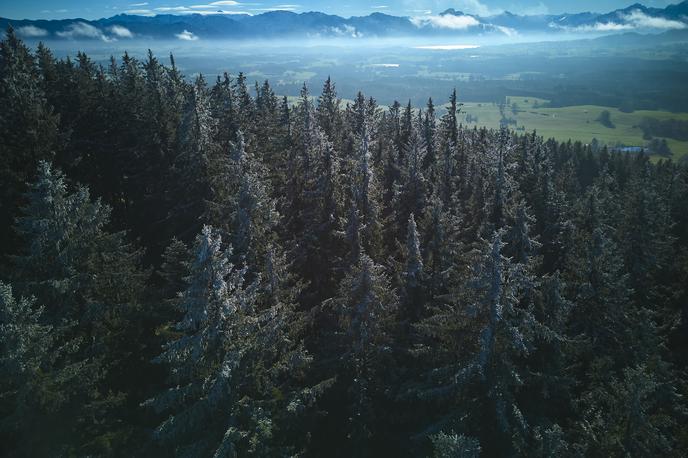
(90, 9)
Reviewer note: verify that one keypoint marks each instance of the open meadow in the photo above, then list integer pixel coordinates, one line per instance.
(576, 123)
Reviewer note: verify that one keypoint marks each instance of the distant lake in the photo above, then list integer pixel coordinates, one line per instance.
(446, 47)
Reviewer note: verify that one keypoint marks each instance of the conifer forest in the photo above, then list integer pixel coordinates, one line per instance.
(200, 267)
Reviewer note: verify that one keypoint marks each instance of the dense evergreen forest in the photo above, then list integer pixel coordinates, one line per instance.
(203, 269)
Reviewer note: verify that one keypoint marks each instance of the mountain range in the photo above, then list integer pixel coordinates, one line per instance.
(287, 24)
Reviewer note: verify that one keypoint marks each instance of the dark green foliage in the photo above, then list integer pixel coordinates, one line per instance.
(366, 282)
(231, 363)
(669, 128)
(605, 118)
(659, 147)
(413, 274)
(25, 361)
(364, 307)
(92, 284)
(28, 129)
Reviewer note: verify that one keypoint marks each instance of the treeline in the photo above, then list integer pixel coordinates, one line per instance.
(670, 128)
(195, 269)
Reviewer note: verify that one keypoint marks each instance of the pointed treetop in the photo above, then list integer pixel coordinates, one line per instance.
(414, 260)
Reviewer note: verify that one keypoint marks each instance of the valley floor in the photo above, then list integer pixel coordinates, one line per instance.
(576, 123)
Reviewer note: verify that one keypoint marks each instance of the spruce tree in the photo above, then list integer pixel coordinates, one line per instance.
(28, 129)
(429, 130)
(365, 193)
(364, 305)
(227, 363)
(412, 195)
(197, 150)
(28, 378)
(413, 280)
(93, 284)
(328, 111)
(493, 333)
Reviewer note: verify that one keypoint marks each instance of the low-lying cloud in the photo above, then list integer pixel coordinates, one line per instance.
(446, 21)
(346, 31)
(78, 30)
(121, 32)
(83, 30)
(634, 20)
(31, 31)
(186, 36)
(643, 21)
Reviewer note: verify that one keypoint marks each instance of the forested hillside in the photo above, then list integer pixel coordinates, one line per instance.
(202, 269)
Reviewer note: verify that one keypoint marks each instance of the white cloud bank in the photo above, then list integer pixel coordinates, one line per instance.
(31, 31)
(186, 36)
(642, 20)
(636, 19)
(83, 30)
(447, 21)
(121, 32)
(346, 31)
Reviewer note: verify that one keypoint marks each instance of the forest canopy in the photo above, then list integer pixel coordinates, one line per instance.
(203, 268)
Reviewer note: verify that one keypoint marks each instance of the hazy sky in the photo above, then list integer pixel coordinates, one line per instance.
(90, 9)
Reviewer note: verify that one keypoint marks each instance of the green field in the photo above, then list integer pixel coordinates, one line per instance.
(576, 123)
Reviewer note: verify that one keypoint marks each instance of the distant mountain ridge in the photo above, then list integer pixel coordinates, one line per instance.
(287, 24)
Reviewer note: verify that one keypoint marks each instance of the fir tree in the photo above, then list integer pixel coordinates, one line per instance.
(91, 280)
(411, 198)
(494, 333)
(413, 276)
(26, 344)
(429, 129)
(191, 168)
(28, 128)
(365, 305)
(364, 191)
(226, 363)
(328, 110)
